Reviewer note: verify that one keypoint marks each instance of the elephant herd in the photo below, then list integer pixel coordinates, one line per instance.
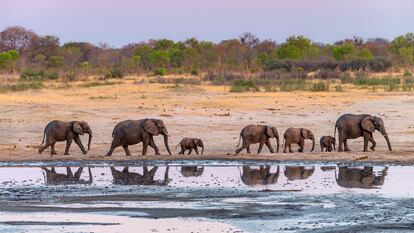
(347, 177)
(132, 132)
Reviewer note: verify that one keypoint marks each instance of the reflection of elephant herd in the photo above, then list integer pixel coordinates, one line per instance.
(132, 132)
(348, 177)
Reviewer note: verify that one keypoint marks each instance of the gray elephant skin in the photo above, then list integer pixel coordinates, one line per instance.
(190, 144)
(327, 143)
(261, 176)
(57, 131)
(352, 126)
(126, 177)
(356, 177)
(252, 134)
(131, 132)
(298, 172)
(297, 136)
(52, 177)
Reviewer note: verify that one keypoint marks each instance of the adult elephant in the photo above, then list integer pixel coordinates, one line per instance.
(298, 172)
(258, 134)
(52, 177)
(125, 177)
(357, 177)
(192, 171)
(261, 176)
(352, 126)
(57, 131)
(132, 132)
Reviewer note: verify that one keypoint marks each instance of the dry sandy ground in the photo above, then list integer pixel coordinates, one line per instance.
(209, 112)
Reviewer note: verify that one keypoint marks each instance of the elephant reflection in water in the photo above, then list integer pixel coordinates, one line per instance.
(52, 177)
(261, 176)
(188, 171)
(125, 177)
(357, 177)
(298, 172)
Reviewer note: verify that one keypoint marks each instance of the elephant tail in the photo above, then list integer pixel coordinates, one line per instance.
(335, 132)
(239, 140)
(44, 135)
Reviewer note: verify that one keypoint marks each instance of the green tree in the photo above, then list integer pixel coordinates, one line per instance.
(341, 52)
(295, 47)
(9, 59)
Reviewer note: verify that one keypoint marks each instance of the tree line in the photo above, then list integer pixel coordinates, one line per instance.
(44, 57)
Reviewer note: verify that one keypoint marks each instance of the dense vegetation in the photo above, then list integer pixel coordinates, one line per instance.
(37, 57)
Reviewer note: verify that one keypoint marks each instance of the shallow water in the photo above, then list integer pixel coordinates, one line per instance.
(214, 197)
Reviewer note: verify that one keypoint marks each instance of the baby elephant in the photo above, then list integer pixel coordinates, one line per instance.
(297, 136)
(57, 131)
(190, 144)
(328, 142)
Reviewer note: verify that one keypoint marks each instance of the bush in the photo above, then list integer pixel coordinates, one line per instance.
(243, 85)
(160, 71)
(364, 80)
(346, 78)
(295, 85)
(194, 72)
(38, 75)
(22, 86)
(339, 88)
(97, 84)
(114, 73)
(320, 86)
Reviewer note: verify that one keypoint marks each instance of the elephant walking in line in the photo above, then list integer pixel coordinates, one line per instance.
(190, 144)
(132, 132)
(52, 177)
(261, 176)
(299, 172)
(252, 134)
(297, 136)
(327, 143)
(356, 177)
(189, 171)
(57, 131)
(354, 126)
(125, 177)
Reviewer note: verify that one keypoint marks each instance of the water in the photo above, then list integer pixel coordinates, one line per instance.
(214, 196)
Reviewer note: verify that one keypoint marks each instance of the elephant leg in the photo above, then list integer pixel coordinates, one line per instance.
(111, 150)
(126, 149)
(260, 147)
(290, 148)
(366, 143)
(79, 142)
(190, 150)
(285, 147)
(240, 149)
(346, 145)
(182, 150)
(248, 149)
(321, 147)
(152, 144)
(196, 150)
(269, 146)
(340, 141)
(301, 145)
(43, 147)
(53, 151)
(374, 144)
(68, 143)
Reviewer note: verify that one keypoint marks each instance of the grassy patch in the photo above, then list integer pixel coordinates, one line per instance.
(21, 86)
(243, 85)
(320, 86)
(383, 81)
(97, 84)
(295, 85)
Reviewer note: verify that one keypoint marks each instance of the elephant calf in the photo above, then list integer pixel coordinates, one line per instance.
(190, 144)
(57, 131)
(297, 136)
(327, 143)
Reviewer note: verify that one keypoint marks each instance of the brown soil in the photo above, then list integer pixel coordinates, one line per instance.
(211, 113)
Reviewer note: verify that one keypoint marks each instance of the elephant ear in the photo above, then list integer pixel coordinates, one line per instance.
(304, 133)
(269, 131)
(77, 128)
(150, 127)
(367, 124)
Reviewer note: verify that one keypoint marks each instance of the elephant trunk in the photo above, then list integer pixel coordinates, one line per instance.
(313, 143)
(90, 139)
(202, 149)
(166, 143)
(388, 141)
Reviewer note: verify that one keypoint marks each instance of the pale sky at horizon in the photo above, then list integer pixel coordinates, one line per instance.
(125, 21)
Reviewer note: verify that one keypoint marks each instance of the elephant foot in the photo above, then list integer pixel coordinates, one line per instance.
(157, 153)
(365, 150)
(66, 153)
(373, 148)
(85, 152)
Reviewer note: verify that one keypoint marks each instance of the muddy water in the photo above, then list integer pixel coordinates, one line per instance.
(215, 197)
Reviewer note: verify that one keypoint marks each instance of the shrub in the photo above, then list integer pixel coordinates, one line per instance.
(320, 86)
(243, 85)
(21, 86)
(295, 85)
(365, 80)
(96, 84)
(114, 73)
(339, 88)
(30, 74)
(194, 72)
(160, 71)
